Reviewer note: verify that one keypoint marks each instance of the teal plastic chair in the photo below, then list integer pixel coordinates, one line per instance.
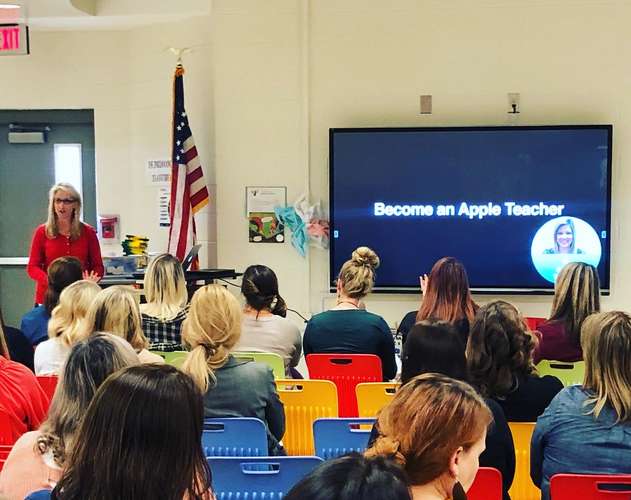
(268, 478)
(334, 437)
(568, 373)
(274, 361)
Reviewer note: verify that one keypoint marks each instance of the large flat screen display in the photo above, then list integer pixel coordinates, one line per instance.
(514, 204)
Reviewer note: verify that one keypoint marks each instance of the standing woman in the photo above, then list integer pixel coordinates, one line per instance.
(63, 234)
(165, 310)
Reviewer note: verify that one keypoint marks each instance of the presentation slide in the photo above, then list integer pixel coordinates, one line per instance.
(514, 204)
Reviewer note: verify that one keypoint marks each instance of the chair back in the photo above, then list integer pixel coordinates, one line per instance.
(334, 437)
(487, 485)
(568, 373)
(274, 361)
(345, 371)
(173, 358)
(234, 437)
(39, 495)
(523, 488)
(6, 428)
(590, 487)
(533, 323)
(5, 449)
(48, 383)
(304, 402)
(373, 396)
(264, 477)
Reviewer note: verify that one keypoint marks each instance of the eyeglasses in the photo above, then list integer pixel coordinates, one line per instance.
(65, 201)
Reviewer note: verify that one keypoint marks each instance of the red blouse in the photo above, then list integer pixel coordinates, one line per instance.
(44, 250)
(21, 397)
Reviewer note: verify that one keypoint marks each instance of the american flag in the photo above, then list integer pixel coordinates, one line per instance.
(189, 193)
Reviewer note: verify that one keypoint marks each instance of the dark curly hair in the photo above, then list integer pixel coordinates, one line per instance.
(499, 350)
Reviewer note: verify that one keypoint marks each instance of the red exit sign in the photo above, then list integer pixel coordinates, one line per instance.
(14, 39)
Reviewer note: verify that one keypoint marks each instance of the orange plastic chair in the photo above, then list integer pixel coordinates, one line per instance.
(345, 371)
(523, 488)
(533, 323)
(373, 396)
(305, 401)
(590, 487)
(487, 485)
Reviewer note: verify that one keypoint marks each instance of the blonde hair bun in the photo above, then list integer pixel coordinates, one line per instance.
(386, 447)
(364, 256)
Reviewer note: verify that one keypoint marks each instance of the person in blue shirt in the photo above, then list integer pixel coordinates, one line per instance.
(348, 328)
(586, 429)
(62, 272)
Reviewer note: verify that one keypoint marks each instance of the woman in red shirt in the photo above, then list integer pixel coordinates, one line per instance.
(63, 234)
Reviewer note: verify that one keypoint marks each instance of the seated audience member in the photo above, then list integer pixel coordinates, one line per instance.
(62, 272)
(165, 310)
(141, 437)
(114, 310)
(499, 356)
(435, 428)
(576, 296)
(231, 387)
(446, 296)
(65, 326)
(353, 477)
(38, 458)
(21, 396)
(587, 429)
(435, 346)
(20, 349)
(264, 327)
(348, 328)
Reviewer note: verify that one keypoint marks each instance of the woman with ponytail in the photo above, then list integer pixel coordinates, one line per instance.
(231, 387)
(348, 328)
(264, 327)
(435, 429)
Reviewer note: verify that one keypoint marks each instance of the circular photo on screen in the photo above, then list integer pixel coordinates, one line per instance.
(563, 240)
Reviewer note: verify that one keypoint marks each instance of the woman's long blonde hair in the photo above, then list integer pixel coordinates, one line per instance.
(52, 230)
(90, 362)
(115, 310)
(606, 340)
(165, 288)
(66, 321)
(210, 331)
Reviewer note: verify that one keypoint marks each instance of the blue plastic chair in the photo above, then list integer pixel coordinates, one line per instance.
(334, 437)
(39, 495)
(265, 477)
(234, 437)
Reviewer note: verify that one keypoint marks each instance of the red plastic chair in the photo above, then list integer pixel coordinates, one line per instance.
(48, 383)
(589, 487)
(533, 323)
(487, 485)
(345, 371)
(6, 436)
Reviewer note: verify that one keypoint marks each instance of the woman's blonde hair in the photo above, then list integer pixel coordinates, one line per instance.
(66, 321)
(52, 230)
(429, 418)
(357, 275)
(115, 310)
(576, 296)
(165, 288)
(606, 340)
(90, 362)
(210, 331)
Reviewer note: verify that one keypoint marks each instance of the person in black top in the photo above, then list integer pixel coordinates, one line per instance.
(499, 356)
(348, 328)
(446, 296)
(435, 347)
